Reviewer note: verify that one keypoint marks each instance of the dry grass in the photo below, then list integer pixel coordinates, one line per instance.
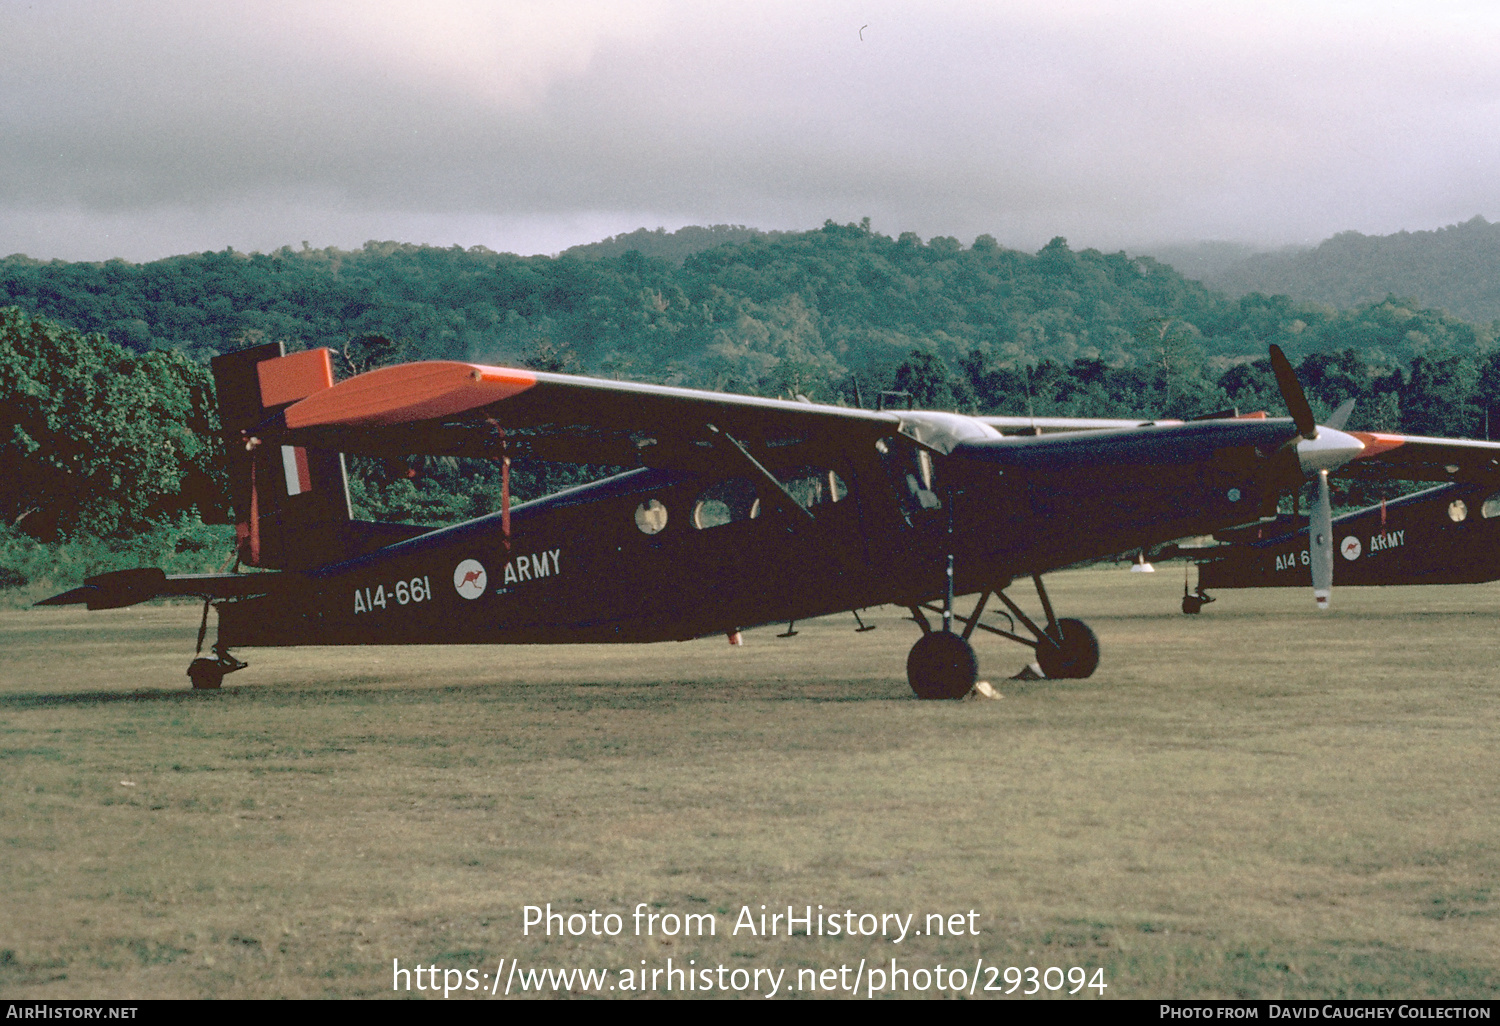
(1259, 801)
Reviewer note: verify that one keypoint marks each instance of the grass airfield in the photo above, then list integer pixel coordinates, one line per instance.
(1260, 801)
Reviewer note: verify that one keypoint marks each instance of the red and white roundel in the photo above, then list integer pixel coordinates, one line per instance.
(1351, 548)
(469, 578)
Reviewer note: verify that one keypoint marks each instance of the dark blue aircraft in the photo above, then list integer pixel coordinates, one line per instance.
(732, 511)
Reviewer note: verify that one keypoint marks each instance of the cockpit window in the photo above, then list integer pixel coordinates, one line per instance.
(919, 484)
(913, 475)
(725, 503)
(812, 487)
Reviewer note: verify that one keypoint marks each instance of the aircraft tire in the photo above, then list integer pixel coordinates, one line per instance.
(1192, 604)
(1075, 658)
(206, 674)
(941, 665)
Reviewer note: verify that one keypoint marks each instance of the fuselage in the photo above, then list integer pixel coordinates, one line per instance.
(1444, 535)
(663, 554)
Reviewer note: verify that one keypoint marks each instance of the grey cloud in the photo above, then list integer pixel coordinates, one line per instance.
(1108, 123)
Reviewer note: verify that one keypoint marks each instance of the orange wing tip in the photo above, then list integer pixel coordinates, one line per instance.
(409, 392)
(1376, 443)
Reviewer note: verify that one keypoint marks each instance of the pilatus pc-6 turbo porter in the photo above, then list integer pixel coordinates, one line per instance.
(1446, 534)
(734, 512)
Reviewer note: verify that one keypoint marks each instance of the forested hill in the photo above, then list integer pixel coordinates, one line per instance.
(772, 314)
(95, 357)
(673, 247)
(1456, 269)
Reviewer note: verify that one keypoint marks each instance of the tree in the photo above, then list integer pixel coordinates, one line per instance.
(1438, 398)
(1168, 344)
(931, 385)
(99, 440)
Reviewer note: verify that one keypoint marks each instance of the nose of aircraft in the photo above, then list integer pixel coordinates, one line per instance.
(1329, 449)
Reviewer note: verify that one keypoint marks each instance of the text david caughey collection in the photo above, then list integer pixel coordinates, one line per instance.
(806, 921)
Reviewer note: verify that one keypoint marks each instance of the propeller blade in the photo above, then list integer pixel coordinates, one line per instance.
(1292, 394)
(1320, 544)
(1341, 415)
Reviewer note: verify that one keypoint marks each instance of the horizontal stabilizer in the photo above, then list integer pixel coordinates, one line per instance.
(121, 588)
(409, 392)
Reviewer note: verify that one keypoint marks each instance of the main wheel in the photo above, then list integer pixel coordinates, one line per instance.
(1192, 605)
(1077, 656)
(941, 665)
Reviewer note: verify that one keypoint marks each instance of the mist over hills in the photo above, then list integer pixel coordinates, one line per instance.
(1202, 261)
(1456, 268)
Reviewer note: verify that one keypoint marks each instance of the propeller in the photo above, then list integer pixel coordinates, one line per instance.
(1292, 394)
(1341, 415)
(1320, 544)
(1319, 450)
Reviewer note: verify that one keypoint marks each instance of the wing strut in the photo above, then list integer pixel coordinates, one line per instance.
(505, 500)
(783, 497)
(254, 518)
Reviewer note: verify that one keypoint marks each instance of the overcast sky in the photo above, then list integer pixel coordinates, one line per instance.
(146, 129)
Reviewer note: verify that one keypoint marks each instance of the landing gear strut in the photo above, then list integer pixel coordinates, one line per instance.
(1193, 601)
(208, 674)
(942, 664)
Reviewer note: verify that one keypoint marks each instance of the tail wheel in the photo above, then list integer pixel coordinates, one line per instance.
(206, 674)
(943, 665)
(1076, 654)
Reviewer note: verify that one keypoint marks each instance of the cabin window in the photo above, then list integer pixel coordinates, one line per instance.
(811, 487)
(920, 483)
(1491, 507)
(912, 474)
(651, 516)
(1457, 511)
(725, 503)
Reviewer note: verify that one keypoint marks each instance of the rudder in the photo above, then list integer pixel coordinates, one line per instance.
(291, 504)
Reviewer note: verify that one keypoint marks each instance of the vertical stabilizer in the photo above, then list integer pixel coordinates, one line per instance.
(291, 504)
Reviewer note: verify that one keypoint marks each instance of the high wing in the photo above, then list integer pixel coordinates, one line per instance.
(1056, 425)
(1386, 456)
(1416, 458)
(450, 408)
